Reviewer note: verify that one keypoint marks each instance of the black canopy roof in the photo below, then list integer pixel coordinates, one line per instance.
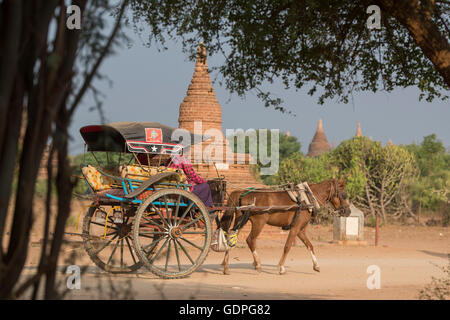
(140, 137)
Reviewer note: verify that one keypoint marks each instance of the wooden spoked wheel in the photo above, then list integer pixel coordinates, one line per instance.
(109, 243)
(172, 233)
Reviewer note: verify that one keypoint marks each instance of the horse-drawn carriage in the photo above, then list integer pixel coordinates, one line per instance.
(142, 215)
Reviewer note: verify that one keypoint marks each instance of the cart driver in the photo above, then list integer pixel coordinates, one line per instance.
(199, 185)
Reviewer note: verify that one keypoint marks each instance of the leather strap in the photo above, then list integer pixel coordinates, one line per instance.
(294, 219)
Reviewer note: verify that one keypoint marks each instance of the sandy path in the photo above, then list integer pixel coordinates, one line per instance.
(343, 276)
(407, 257)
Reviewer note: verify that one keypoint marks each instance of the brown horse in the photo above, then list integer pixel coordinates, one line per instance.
(331, 190)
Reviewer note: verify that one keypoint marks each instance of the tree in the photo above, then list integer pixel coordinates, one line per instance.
(313, 44)
(395, 170)
(299, 168)
(432, 189)
(45, 70)
(380, 174)
(288, 145)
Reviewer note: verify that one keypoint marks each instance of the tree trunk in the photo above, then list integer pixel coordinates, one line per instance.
(8, 155)
(382, 197)
(425, 33)
(369, 200)
(64, 186)
(10, 36)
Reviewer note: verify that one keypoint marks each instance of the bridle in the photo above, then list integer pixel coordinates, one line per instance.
(337, 194)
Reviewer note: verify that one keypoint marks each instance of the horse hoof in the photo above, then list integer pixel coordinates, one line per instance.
(316, 268)
(282, 270)
(226, 272)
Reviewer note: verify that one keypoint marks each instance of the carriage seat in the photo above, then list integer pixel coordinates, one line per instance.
(96, 180)
(104, 196)
(142, 173)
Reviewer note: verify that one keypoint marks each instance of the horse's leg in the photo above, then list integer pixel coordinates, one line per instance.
(290, 239)
(225, 261)
(225, 223)
(302, 235)
(258, 223)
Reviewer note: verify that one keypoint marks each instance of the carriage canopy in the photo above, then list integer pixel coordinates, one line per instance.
(136, 137)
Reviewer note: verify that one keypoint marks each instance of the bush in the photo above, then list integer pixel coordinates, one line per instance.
(299, 168)
(439, 288)
(431, 190)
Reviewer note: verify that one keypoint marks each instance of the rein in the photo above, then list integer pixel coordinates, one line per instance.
(336, 193)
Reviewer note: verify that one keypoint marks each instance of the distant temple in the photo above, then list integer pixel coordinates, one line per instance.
(201, 104)
(358, 131)
(319, 144)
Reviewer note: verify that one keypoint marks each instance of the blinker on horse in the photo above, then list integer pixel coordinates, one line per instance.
(328, 191)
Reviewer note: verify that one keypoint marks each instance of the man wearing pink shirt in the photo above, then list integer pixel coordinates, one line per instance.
(200, 186)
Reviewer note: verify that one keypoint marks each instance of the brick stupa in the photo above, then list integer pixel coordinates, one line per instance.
(201, 105)
(319, 144)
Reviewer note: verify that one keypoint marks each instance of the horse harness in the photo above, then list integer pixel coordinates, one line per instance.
(301, 194)
(304, 197)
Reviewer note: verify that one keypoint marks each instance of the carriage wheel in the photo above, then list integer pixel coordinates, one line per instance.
(112, 250)
(181, 221)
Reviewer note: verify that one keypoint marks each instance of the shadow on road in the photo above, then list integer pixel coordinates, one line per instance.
(437, 254)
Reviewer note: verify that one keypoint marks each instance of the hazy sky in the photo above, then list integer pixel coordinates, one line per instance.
(149, 86)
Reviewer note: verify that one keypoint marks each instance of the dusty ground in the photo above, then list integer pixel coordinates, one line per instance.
(407, 256)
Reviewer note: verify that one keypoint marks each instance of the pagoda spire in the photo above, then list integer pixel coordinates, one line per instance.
(319, 143)
(358, 131)
(200, 103)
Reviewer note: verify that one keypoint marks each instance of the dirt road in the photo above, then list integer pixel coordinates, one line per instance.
(407, 257)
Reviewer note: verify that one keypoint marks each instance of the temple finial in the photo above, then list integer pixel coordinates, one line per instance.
(358, 130)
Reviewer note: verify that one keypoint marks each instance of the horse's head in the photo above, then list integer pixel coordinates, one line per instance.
(338, 197)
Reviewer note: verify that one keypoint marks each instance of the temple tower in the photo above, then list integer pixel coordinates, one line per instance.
(201, 105)
(319, 144)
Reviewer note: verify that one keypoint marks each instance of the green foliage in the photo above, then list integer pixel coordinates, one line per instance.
(324, 47)
(431, 190)
(109, 161)
(375, 175)
(288, 145)
(372, 222)
(299, 168)
(354, 159)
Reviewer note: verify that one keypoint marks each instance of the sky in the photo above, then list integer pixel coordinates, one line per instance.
(149, 85)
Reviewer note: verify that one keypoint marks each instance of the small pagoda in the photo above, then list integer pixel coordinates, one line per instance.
(319, 144)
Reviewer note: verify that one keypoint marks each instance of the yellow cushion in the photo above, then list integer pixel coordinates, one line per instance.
(138, 172)
(96, 179)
